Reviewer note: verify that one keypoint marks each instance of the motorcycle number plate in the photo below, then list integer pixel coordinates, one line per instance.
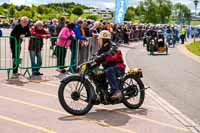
(160, 40)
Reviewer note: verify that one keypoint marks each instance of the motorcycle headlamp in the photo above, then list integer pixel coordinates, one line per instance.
(83, 68)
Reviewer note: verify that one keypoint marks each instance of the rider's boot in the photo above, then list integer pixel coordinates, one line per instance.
(117, 95)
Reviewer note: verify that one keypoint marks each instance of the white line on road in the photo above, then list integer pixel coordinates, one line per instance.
(187, 122)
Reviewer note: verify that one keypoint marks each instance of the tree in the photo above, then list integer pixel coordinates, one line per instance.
(93, 17)
(40, 9)
(150, 11)
(23, 7)
(183, 13)
(12, 10)
(22, 13)
(129, 14)
(77, 10)
(154, 11)
(2, 11)
(5, 5)
(165, 10)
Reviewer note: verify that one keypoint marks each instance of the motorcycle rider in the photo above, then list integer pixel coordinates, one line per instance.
(112, 61)
(161, 39)
(152, 34)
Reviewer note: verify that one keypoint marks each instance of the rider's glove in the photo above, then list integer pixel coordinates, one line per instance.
(100, 58)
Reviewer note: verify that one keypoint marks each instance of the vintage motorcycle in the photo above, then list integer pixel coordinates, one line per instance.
(79, 92)
(171, 40)
(154, 47)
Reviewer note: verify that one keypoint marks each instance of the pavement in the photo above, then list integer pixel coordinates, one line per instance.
(32, 106)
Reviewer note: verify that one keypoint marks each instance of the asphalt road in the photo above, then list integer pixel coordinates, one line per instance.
(32, 106)
(174, 77)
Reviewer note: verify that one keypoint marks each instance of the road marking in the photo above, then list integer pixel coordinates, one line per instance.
(138, 117)
(26, 124)
(153, 121)
(64, 113)
(183, 119)
(100, 107)
(169, 108)
(33, 91)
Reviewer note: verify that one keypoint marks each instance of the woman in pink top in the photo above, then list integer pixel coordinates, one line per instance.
(63, 42)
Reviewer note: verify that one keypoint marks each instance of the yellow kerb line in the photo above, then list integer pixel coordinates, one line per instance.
(26, 124)
(64, 113)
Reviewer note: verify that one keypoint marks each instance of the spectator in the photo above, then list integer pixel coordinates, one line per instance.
(80, 35)
(20, 31)
(64, 41)
(35, 46)
(94, 31)
(87, 25)
(126, 35)
(61, 24)
(1, 33)
(188, 32)
(53, 32)
(183, 34)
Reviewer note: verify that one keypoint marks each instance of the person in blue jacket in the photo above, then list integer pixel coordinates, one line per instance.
(1, 33)
(79, 31)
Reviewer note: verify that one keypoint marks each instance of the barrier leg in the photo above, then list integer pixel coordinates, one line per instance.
(74, 52)
(27, 71)
(8, 74)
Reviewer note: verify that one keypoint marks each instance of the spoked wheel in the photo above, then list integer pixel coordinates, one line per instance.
(75, 96)
(133, 94)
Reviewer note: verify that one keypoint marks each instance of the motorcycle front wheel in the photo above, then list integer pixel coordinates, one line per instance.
(134, 93)
(75, 95)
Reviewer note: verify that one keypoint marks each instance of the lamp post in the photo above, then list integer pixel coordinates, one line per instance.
(196, 3)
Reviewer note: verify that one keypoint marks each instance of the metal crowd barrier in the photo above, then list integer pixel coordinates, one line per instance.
(33, 47)
(87, 49)
(76, 54)
(6, 60)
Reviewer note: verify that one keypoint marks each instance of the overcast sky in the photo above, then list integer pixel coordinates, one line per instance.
(97, 3)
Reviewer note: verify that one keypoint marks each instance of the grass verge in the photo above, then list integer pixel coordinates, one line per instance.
(194, 48)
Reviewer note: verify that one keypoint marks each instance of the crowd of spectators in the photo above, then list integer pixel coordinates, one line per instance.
(80, 30)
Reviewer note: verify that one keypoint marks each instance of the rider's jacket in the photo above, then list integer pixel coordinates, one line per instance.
(112, 57)
(161, 36)
(151, 33)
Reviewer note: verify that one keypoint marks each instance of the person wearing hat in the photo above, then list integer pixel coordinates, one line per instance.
(111, 59)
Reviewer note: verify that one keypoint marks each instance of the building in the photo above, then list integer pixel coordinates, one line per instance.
(96, 11)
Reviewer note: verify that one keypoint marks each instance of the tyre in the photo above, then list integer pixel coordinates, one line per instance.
(166, 50)
(133, 88)
(151, 50)
(79, 95)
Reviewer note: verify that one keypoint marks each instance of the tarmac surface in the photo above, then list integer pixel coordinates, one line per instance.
(32, 106)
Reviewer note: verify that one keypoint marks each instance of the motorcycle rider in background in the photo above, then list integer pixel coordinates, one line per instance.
(161, 39)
